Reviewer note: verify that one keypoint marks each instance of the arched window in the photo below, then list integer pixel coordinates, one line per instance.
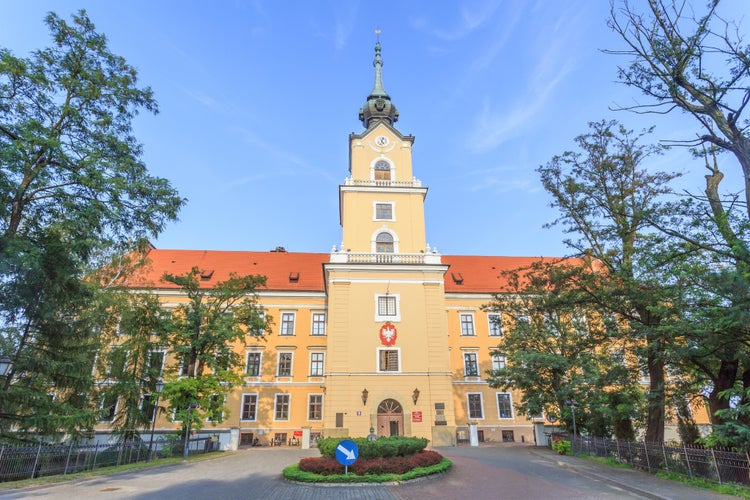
(382, 171)
(384, 243)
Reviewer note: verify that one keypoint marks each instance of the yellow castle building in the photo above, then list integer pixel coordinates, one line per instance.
(383, 334)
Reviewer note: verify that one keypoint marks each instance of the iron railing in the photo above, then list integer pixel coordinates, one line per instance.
(715, 464)
(26, 462)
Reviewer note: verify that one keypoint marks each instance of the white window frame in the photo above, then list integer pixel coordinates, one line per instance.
(282, 323)
(288, 406)
(242, 406)
(510, 401)
(382, 318)
(377, 359)
(377, 160)
(247, 363)
(291, 364)
(374, 240)
(163, 360)
(375, 211)
(469, 314)
(468, 405)
(492, 324)
(309, 396)
(223, 402)
(499, 361)
(114, 412)
(312, 323)
(322, 364)
(476, 363)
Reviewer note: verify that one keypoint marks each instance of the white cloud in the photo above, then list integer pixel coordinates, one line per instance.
(470, 17)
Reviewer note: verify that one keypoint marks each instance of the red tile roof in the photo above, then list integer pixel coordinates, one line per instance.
(466, 274)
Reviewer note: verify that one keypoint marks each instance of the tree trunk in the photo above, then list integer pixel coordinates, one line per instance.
(725, 379)
(655, 399)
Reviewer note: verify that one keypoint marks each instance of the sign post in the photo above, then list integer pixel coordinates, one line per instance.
(347, 453)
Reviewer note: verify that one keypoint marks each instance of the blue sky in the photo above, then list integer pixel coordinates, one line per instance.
(257, 100)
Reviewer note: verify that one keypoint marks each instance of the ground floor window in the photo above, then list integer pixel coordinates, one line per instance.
(281, 408)
(249, 407)
(476, 412)
(504, 405)
(315, 407)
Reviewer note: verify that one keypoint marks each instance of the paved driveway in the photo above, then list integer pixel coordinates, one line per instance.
(478, 473)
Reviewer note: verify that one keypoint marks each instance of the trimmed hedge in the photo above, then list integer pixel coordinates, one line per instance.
(383, 447)
(326, 466)
(294, 473)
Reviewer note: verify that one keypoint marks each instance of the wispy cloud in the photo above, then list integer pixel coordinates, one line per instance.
(470, 17)
(502, 179)
(202, 98)
(344, 20)
(494, 125)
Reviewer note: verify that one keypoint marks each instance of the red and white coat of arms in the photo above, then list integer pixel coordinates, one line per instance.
(388, 334)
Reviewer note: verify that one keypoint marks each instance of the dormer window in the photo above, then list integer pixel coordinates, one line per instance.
(382, 171)
(384, 243)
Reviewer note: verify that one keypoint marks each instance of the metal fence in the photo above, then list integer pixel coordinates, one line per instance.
(25, 462)
(720, 465)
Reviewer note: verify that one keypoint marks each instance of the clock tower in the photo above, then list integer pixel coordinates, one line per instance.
(388, 358)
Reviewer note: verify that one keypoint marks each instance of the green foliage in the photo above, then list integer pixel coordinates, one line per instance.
(73, 190)
(293, 473)
(391, 446)
(561, 446)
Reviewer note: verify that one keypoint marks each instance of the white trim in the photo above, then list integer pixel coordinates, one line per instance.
(377, 359)
(468, 406)
(374, 237)
(312, 323)
(472, 323)
(395, 318)
(291, 364)
(375, 204)
(387, 160)
(289, 407)
(476, 363)
(281, 323)
(510, 400)
(499, 324)
(322, 407)
(323, 368)
(242, 404)
(260, 363)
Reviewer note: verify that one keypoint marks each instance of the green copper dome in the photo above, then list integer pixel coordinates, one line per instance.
(378, 105)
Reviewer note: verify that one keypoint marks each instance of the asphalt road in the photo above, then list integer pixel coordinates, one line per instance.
(496, 472)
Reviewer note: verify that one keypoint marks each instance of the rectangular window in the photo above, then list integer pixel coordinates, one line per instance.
(252, 366)
(316, 364)
(504, 405)
(476, 412)
(467, 324)
(318, 323)
(285, 364)
(155, 365)
(287, 323)
(147, 406)
(185, 365)
(470, 364)
(118, 357)
(249, 407)
(387, 306)
(496, 325)
(388, 360)
(108, 408)
(498, 362)
(384, 211)
(281, 407)
(315, 407)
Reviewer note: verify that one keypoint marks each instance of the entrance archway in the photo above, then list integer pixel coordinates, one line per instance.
(390, 418)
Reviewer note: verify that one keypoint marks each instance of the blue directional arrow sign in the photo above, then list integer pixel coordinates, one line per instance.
(347, 452)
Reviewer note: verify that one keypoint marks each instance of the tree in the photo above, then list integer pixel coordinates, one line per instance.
(201, 337)
(132, 363)
(73, 190)
(607, 200)
(554, 351)
(696, 63)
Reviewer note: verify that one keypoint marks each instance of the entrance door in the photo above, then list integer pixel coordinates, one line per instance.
(390, 418)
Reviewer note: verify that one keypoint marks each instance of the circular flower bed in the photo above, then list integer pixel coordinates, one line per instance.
(392, 459)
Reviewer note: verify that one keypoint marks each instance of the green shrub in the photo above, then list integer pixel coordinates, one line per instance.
(561, 446)
(395, 446)
(294, 473)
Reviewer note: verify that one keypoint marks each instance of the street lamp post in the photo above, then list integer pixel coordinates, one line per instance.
(573, 405)
(159, 388)
(191, 406)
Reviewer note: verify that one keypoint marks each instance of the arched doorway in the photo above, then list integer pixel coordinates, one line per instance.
(390, 418)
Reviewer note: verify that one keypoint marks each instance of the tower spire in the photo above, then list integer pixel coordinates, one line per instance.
(378, 105)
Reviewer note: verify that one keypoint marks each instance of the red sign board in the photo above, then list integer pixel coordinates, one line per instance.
(416, 416)
(388, 334)
(297, 433)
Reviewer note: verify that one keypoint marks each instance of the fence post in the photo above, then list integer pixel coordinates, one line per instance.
(666, 460)
(96, 453)
(617, 447)
(36, 460)
(648, 461)
(67, 460)
(716, 465)
(687, 460)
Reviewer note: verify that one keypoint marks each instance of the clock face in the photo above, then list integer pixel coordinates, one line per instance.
(381, 140)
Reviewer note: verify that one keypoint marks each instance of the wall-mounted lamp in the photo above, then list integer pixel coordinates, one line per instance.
(365, 393)
(323, 388)
(415, 396)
